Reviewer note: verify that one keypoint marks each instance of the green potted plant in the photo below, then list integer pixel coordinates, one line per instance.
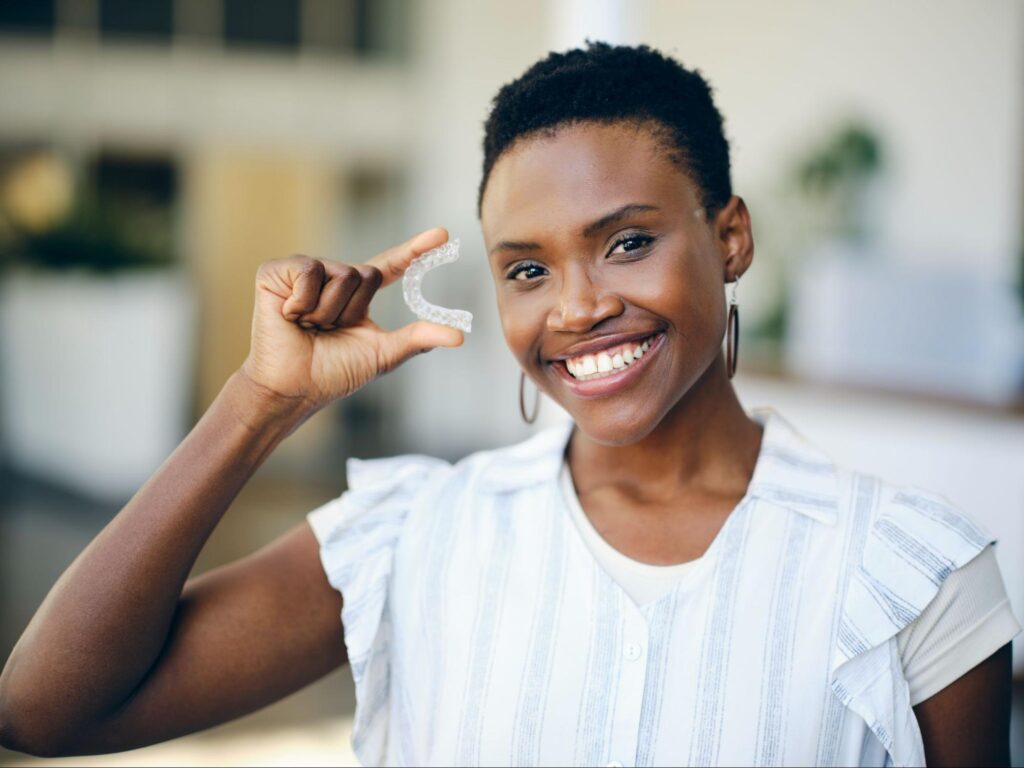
(834, 181)
(96, 346)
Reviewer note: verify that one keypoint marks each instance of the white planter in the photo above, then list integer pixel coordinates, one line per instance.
(868, 319)
(96, 376)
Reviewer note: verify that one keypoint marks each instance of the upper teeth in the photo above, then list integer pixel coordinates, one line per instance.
(607, 361)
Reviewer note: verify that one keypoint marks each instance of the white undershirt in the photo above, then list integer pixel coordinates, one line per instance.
(968, 620)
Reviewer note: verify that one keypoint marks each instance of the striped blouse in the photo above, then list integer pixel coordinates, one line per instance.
(481, 630)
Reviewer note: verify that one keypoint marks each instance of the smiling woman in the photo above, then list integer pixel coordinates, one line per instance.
(665, 579)
(606, 249)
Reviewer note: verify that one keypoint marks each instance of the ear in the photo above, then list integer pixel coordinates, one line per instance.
(735, 237)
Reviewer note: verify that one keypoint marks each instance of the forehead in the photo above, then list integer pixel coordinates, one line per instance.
(578, 174)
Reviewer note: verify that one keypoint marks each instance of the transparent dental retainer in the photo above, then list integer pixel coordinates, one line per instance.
(412, 282)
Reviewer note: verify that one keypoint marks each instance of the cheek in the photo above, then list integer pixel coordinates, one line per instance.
(522, 322)
(677, 285)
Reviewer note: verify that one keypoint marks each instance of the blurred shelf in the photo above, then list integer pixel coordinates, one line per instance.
(777, 373)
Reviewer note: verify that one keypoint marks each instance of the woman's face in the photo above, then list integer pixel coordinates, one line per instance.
(596, 241)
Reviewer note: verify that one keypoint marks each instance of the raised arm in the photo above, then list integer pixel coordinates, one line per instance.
(124, 651)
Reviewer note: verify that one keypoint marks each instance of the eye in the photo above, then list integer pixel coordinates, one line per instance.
(631, 243)
(520, 270)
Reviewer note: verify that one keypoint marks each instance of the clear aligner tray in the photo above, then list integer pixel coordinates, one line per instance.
(412, 282)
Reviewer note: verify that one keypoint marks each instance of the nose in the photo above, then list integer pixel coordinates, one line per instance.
(582, 303)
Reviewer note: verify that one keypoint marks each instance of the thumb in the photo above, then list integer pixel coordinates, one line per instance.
(419, 336)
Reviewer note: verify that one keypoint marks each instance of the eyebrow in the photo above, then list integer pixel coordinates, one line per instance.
(616, 216)
(588, 231)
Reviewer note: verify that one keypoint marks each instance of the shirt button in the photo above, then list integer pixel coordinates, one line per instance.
(632, 651)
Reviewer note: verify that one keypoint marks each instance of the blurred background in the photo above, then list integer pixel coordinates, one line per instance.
(154, 152)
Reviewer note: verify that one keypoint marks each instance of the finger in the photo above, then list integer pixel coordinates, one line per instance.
(416, 337)
(306, 277)
(358, 305)
(393, 262)
(333, 296)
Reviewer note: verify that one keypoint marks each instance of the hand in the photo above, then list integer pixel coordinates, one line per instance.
(311, 337)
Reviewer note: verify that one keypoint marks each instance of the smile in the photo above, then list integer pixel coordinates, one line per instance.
(610, 369)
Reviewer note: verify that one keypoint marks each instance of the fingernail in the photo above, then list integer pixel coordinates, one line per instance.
(306, 325)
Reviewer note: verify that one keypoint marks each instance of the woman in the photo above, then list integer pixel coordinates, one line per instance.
(665, 580)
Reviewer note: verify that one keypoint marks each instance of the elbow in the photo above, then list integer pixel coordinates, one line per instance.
(27, 725)
(30, 721)
(18, 739)
(11, 738)
(28, 741)
(20, 732)
(10, 733)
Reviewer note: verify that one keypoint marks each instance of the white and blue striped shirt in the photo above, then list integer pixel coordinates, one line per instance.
(481, 630)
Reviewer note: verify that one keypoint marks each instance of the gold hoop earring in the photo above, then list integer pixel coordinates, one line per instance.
(732, 332)
(522, 406)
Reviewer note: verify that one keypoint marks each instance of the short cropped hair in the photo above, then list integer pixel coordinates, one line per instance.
(611, 83)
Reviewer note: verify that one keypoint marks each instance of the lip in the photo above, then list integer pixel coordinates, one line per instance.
(602, 343)
(607, 385)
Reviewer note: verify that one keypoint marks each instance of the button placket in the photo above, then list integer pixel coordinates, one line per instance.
(630, 694)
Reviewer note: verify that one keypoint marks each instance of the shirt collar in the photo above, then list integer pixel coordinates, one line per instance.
(789, 471)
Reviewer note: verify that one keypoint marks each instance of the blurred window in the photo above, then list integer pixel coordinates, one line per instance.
(149, 19)
(137, 195)
(263, 23)
(330, 25)
(31, 17)
(145, 180)
(382, 28)
(367, 29)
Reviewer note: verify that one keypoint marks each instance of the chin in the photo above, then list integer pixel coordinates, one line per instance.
(616, 428)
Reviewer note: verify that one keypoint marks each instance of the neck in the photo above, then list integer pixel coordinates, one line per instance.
(706, 440)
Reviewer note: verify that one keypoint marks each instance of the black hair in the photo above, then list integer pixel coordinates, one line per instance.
(611, 83)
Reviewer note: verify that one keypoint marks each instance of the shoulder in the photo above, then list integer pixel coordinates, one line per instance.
(905, 518)
(897, 542)
(932, 532)
(527, 462)
(904, 542)
(906, 531)
(405, 496)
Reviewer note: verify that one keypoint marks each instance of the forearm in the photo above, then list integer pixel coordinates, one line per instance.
(105, 621)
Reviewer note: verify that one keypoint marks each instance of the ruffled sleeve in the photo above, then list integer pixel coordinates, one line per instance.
(908, 548)
(358, 533)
